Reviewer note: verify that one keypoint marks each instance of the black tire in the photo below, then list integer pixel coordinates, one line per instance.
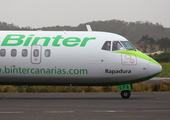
(125, 94)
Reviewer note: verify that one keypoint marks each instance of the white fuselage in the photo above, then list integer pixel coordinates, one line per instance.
(68, 58)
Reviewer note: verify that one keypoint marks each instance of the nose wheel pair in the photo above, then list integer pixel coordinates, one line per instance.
(125, 94)
(125, 90)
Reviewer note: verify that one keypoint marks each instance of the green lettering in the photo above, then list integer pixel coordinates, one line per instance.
(32, 71)
(19, 69)
(47, 71)
(37, 71)
(47, 40)
(28, 70)
(42, 71)
(19, 39)
(28, 40)
(84, 42)
(56, 39)
(13, 40)
(63, 71)
(14, 70)
(71, 41)
(24, 71)
(53, 71)
(59, 71)
(7, 70)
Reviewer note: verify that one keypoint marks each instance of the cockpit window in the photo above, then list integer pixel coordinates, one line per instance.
(107, 45)
(127, 45)
(117, 46)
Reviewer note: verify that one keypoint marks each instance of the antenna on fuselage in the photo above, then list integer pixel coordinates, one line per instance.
(88, 28)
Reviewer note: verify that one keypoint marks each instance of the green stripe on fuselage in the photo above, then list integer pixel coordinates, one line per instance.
(138, 54)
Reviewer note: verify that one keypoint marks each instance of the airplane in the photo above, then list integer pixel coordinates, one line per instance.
(73, 58)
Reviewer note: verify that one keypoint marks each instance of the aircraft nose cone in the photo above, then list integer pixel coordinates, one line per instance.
(154, 68)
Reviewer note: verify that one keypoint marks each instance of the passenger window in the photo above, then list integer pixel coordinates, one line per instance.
(36, 53)
(24, 52)
(117, 46)
(2, 52)
(13, 52)
(106, 45)
(47, 53)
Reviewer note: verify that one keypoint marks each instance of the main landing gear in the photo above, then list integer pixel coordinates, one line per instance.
(125, 90)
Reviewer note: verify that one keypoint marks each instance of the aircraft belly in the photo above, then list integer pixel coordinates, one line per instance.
(52, 81)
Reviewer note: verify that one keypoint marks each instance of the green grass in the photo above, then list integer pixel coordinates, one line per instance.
(151, 87)
(165, 70)
(137, 87)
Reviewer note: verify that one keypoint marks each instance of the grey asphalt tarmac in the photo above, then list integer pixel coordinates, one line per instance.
(84, 106)
(159, 79)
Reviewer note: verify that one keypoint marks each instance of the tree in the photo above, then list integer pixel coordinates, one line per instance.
(164, 44)
(151, 43)
(144, 43)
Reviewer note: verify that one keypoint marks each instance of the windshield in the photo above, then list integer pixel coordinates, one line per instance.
(117, 46)
(127, 45)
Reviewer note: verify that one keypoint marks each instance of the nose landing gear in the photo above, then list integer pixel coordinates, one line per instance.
(125, 94)
(125, 90)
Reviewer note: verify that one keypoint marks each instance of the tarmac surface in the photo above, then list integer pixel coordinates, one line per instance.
(159, 79)
(84, 106)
